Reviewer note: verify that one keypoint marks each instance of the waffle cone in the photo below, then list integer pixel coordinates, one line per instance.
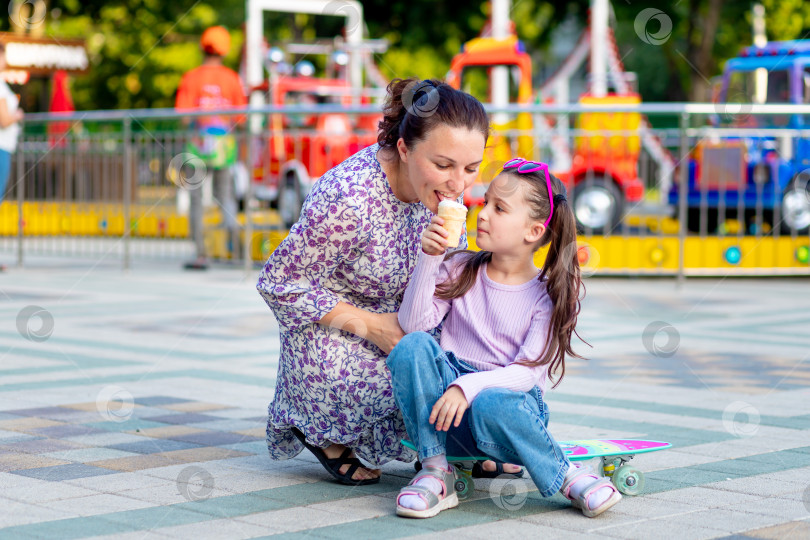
(454, 216)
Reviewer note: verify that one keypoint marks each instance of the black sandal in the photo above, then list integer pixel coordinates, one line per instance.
(333, 465)
(479, 472)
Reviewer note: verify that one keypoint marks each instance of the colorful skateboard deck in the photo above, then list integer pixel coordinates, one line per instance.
(593, 448)
(586, 449)
(612, 456)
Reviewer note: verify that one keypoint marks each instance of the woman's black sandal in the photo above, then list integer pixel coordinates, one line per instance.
(333, 465)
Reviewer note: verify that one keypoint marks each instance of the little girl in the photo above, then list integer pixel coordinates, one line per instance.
(509, 327)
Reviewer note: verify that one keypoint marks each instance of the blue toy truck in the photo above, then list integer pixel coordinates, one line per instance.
(761, 176)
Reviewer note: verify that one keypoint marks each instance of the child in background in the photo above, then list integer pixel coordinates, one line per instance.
(509, 327)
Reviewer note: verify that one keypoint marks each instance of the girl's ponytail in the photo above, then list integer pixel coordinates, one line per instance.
(564, 285)
(561, 273)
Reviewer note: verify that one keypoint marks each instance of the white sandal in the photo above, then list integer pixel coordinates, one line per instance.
(447, 478)
(598, 483)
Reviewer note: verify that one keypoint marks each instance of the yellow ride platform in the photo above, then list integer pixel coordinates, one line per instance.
(654, 254)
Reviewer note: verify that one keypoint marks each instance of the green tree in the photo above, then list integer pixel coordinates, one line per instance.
(139, 49)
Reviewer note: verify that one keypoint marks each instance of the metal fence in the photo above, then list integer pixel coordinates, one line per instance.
(658, 189)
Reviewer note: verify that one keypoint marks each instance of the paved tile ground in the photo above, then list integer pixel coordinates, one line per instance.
(132, 405)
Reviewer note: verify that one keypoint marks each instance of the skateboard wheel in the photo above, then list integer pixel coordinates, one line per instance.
(464, 487)
(628, 480)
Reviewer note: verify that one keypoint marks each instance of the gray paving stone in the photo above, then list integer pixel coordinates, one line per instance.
(214, 528)
(105, 439)
(55, 432)
(660, 529)
(182, 418)
(137, 535)
(785, 509)
(258, 448)
(59, 473)
(760, 486)
(706, 497)
(166, 494)
(368, 507)
(618, 394)
(151, 401)
(16, 513)
(651, 508)
(153, 446)
(792, 530)
(44, 492)
(514, 528)
(118, 482)
(9, 437)
(298, 518)
(96, 504)
(735, 521)
(573, 520)
(213, 438)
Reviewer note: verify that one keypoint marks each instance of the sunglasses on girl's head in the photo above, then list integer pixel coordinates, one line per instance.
(524, 166)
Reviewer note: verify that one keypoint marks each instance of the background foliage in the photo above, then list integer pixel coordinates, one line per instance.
(140, 48)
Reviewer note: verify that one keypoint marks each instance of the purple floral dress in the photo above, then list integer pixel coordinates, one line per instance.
(357, 243)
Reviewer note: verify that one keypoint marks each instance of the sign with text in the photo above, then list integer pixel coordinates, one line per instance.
(43, 56)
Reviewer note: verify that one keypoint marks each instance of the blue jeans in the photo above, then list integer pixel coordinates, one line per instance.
(5, 167)
(506, 425)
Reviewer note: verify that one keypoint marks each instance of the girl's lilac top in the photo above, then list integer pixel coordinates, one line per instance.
(491, 327)
(356, 243)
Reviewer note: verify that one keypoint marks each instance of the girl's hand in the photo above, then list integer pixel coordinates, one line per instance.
(386, 332)
(434, 239)
(451, 405)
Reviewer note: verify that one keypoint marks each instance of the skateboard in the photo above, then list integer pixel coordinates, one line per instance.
(609, 456)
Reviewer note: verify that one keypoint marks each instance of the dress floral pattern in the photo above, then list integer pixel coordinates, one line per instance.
(356, 243)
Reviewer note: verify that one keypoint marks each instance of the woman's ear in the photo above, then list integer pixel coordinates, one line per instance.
(402, 149)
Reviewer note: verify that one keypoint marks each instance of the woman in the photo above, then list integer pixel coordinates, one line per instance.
(336, 282)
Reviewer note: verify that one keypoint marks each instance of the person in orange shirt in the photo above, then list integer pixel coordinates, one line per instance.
(212, 86)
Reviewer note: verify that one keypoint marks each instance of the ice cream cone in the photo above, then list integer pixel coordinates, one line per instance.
(454, 216)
